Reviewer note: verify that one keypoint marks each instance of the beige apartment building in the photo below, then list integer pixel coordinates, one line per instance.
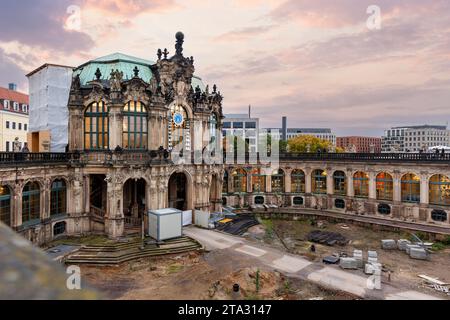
(13, 118)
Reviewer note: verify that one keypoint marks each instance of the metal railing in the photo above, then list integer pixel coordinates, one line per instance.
(163, 156)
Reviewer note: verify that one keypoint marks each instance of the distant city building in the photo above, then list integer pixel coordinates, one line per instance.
(415, 138)
(14, 110)
(285, 133)
(243, 126)
(49, 94)
(359, 144)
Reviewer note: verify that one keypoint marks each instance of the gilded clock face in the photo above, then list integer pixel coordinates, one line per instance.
(178, 119)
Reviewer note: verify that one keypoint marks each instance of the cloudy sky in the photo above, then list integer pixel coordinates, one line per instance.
(315, 61)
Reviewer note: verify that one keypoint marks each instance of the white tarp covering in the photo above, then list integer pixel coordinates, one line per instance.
(49, 96)
(187, 218)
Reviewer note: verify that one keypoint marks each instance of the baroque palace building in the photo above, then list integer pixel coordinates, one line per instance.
(140, 136)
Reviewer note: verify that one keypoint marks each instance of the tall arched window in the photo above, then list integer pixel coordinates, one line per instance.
(361, 184)
(340, 183)
(385, 186)
(96, 127)
(278, 181)
(58, 202)
(410, 186)
(239, 177)
(439, 190)
(31, 202)
(5, 205)
(298, 181)
(319, 181)
(135, 126)
(258, 181)
(179, 127)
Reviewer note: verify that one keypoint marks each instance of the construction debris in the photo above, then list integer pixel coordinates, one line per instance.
(372, 257)
(388, 244)
(418, 253)
(358, 255)
(348, 263)
(402, 243)
(326, 237)
(331, 260)
(411, 246)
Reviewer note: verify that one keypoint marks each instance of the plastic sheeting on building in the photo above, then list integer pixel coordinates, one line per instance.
(49, 96)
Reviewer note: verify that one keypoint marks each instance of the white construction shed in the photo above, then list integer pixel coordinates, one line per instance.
(165, 224)
(49, 87)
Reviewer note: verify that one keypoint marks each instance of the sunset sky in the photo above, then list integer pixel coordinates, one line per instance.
(314, 61)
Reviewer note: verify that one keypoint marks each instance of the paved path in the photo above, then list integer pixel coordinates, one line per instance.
(296, 266)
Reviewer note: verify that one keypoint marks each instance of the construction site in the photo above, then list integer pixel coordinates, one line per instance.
(248, 257)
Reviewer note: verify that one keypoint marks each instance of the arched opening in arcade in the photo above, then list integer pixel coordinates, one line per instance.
(98, 194)
(178, 191)
(134, 203)
(5, 205)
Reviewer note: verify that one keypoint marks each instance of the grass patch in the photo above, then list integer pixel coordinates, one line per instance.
(438, 246)
(268, 224)
(174, 268)
(89, 240)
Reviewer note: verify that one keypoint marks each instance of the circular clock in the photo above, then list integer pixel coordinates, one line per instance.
(178, 119)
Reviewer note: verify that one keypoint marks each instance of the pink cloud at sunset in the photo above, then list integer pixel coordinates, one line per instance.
(313, 61)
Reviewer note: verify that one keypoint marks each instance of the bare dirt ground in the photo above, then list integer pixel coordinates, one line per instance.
(290, 235)
(198, 276)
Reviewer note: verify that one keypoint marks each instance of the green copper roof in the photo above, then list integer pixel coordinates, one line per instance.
(114, 61)
(124, 63)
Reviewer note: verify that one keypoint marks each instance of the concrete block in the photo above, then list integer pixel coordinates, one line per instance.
(418, 253)
(372, 254)
(412, 246)
(372, 260)
(348, 263)
(358, 255)
(401, 244)
(388, 244)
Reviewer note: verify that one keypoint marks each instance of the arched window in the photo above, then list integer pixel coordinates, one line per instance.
(298, 181)
(439, 190)
(31, 202)
(410, 186)
(385, 186)
(298, 201)
(58, 203)
(135, 126)
(259, 200)
(439, 215)
(225, 182)
(96, 122)
(278, 181)
(59, 228)
(340, 183)
(319, 181)
(239, 178)
(384, 208)
(258, 181)
(179, 128)
(339, 203)
(5, 205)
(361, 184)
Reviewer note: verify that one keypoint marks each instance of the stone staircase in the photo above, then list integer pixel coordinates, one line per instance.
(118, 253)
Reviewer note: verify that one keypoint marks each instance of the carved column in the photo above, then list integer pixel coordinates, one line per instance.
(330, 187)
(17, 204)
(350, 189)
(424, 188)
(397, 187)
(287, 181)
(45, 199)
(268, 183)
(372, 185)
(114, 220)
(308, 187)
(75, 127)
(115, 125)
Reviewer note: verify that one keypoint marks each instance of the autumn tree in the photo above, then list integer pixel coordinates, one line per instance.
(308, 143)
